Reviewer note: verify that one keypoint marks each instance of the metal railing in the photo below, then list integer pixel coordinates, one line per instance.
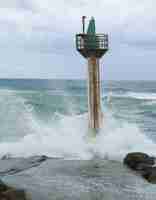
(92, 42)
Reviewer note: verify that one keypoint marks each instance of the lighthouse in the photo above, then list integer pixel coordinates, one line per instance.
(92, 47)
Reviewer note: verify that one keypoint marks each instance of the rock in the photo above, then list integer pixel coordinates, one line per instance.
(150, 175)
(8, 193)
(3, 187)
(136, 160)
(143, 164)
(14, 194)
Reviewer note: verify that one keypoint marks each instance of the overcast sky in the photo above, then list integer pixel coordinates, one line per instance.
(37, 38)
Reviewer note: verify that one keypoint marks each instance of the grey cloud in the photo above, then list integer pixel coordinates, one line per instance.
(63, 17)
(43, 27)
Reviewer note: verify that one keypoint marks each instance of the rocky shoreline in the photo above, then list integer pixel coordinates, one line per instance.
(141, 163)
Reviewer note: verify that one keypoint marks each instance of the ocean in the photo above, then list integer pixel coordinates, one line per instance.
(49, 117)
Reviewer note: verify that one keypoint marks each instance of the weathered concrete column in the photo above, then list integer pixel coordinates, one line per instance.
(94, 101)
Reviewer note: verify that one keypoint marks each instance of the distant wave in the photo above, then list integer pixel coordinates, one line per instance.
(66, 93)
(144, 96)
(134, 95)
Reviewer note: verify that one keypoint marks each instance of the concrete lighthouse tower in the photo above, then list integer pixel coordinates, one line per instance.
(93, 46)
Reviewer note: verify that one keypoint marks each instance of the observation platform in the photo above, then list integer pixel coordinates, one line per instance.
(92, 44)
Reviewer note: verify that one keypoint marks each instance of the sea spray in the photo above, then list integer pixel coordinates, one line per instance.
(66, 138)
(43, 121)
(16, 116)
(64, 135)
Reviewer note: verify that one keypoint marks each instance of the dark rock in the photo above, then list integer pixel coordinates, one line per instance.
(150, 175)
(137, 159)
(143, 164)
(3, 187)
(9, 193)
(144, 170)
(14, 194)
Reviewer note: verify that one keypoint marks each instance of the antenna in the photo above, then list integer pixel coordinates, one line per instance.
(83, 23)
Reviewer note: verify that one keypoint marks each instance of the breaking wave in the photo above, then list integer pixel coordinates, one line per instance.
(65, 136)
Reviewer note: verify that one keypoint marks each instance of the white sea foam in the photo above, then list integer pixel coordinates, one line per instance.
(15, 115)
(66, 136)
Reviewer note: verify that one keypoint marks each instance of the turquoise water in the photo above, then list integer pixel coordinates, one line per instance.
(49, 117)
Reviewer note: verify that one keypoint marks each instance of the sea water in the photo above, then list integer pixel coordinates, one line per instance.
(49, 117)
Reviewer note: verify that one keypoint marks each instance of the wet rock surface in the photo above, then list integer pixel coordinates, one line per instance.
(20, 164)
(143, 164)
(12, 166)
(59, 179)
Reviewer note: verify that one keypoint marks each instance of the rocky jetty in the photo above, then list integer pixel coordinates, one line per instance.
(9, 193)
(143, 164)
